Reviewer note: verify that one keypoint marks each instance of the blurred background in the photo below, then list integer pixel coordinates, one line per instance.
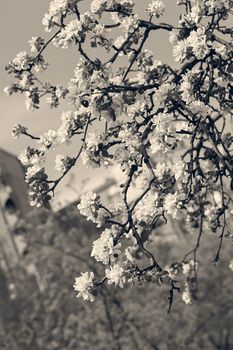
(42, 251)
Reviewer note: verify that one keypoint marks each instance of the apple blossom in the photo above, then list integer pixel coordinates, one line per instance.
(167, 127)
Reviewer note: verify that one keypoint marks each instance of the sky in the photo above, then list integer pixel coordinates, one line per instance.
(19, 21)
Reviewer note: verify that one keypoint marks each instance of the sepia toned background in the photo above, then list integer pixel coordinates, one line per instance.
(38, 307)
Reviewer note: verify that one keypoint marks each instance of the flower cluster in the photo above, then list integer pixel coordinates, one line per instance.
(194, 45)
(36, 43)
(156, 8)
(63, 163)
(84, 286)
(173, 204)
(100, 6)
(70, 123)
(115, 275)
(22, 61)
(95, 153)
(188, 266)
(166, 126)
(104, 248)
(35, 176)
(147, 208)
(57, 10)
(91, 207)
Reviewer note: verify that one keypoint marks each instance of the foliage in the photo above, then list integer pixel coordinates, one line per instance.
(168, 127)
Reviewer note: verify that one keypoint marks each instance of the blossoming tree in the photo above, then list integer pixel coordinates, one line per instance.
(168, 127)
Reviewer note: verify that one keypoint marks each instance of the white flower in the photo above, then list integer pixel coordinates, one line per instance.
(104, 248)
(84, 286)
(22, 61)
(60, 91)
(115, 275)
(87, 203)
(57, 8)
(186, 295)
(178, 169)
(32, 100)
(156, 145)
(63, 163)
(25, 81)
(18, 130)
(161, 169)
(147, 207)
(30, 157)
(173, 36)
(130, 253)
(40, 65)
(23, 157)
(64, 133)
(172, 205)
(138, 107)
(67, 35)
(92, 140)
(199, 107)
(32, 171)
(36, 43)
(218, 199)
(231, 265)
(142, 178)
(98, 6)
(156, 8)
(180, 50)
(129, 137)
(8, 90)
(196, 13)
(59, 163)
(129, 23)
(159, 137)
(197, 40)
(164, 92)
(188, 82)
(90, 207)
(222, 51)
(196, 43)
(220, 79)
(47, 22)
(48, 139)
(210, 211)
(29, 105)
(187, 266)
(91, 155)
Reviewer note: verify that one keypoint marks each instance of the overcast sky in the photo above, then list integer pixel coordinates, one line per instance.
(20, 20)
